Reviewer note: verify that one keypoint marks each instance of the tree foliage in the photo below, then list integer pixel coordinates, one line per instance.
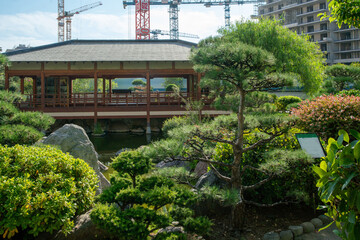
(42, 189)
(20, 127)
(291, 53)
(341, 77)
(136, 206)
(86, 85)
(179, 82)
(339, 177)
(344, 12)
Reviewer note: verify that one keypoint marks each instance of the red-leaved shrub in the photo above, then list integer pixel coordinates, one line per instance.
(326, 115)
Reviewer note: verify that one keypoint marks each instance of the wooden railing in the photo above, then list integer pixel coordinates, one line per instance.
(113, 100)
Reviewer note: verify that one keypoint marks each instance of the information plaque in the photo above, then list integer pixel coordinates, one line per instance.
(310, 143)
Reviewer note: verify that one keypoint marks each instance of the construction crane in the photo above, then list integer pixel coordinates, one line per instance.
(156, 32)
(142, 19)
(174, 10)
(62, 15)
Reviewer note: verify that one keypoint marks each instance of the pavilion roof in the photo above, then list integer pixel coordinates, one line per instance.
(105, 50)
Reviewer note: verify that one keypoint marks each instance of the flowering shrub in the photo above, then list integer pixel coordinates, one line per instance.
(326, 115)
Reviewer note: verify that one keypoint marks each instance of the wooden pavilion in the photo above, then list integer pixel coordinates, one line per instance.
(54, 67)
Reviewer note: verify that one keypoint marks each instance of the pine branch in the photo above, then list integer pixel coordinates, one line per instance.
(258, 184)
(218, 174)
(264, 204)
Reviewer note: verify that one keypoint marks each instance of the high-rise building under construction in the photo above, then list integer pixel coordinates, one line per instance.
(342, 45)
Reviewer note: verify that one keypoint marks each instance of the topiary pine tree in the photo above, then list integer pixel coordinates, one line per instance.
(137, 206)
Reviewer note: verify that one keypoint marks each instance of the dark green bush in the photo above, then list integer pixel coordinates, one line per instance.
(171, 87)
(282, 102)
(37, 120)
(143, 202)
(42, 189)
(7, 109)
(11, 97)
(18, 134)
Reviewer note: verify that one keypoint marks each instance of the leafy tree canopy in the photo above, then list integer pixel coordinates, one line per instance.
(291, 53)
(344, 12)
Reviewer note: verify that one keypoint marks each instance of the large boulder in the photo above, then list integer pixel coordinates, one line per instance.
(168, 162)
(73, 139)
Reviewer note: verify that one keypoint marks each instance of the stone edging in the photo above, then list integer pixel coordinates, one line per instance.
(295, 232)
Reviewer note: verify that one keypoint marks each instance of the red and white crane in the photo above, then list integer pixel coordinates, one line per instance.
(62, 15)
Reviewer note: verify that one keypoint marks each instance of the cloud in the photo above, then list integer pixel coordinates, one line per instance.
(39, 28)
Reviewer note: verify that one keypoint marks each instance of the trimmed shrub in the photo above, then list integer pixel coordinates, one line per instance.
(42, 189)
(7, 109)
(326, 115)
(37, 120)
(351, 92)
(18, 134)
(11, 97)
(135, 207)
(174, 122)
(171, 87)
(282, 102)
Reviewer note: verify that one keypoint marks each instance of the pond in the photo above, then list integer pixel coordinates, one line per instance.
(107, 146)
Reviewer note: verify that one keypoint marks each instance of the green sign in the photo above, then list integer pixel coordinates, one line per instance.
(310, 143)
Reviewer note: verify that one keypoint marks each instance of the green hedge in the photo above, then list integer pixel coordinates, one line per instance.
(282, 102)
(37, 120)
(42, 189)
(18, 134)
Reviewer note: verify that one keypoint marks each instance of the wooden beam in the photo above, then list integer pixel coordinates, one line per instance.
(104, 86)
(42, 87)
(7, 81)
(198, 86)
(22, 85)
(110, 88)
(95, 96)
(148, 87)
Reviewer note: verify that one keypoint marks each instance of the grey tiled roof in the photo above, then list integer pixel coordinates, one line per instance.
(106, 50)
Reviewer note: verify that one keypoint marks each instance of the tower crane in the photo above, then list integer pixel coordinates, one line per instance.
(62, 15)
(174, 10)
(156, 32)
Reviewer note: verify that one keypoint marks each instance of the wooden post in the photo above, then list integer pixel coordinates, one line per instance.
(22, 85)
(95, 95)
(110, 88)
(104, 86)
(34, 90)
(7, 83)
(148, 126)
(42, 87)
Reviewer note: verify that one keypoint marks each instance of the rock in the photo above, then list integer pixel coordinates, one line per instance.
(201, 168)
(171, 229)
(137, 130)
(308, 227)
(325, 219)
(72, 139)
(122, 150)
(296, 230)
(271, 236)
(102, 166)
(84, 229)
(208, 178)
(317, 222)
(286, 235)
(170, 163)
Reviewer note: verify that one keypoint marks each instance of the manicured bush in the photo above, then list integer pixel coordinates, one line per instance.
(145, 204)
(171, 87)
(282, 102)
(42, 189)
(7, 109)
(338, 183)
(18, 134)
(37, 120)
(352, 92)
(11, 97)
(174, 122)
(326, 115)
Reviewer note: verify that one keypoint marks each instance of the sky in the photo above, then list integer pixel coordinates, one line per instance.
(34, 23)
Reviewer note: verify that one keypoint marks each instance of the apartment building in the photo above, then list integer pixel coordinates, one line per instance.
(341, 45)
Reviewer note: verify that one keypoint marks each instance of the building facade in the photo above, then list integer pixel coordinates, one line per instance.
(341, 45)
